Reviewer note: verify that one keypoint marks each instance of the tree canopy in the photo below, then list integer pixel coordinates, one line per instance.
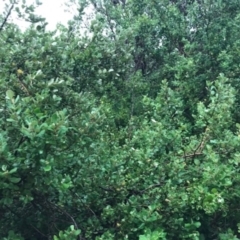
(127, 130)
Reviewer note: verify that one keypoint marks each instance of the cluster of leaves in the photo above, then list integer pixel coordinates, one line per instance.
(130, 131)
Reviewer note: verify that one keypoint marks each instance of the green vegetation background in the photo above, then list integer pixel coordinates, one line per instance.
(130, 131)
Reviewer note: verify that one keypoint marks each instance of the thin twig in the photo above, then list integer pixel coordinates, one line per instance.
(191, 155)
(152, 186)
(38, 231)
(199, 148)
(67, 214)
(7, 16)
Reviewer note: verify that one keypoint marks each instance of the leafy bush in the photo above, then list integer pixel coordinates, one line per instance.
(130, 131)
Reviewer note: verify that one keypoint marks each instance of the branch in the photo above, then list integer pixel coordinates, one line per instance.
(21, 141)
(6, 18)
(20, 217)
(38, 231)
(68, 215)
(152, 186)
(200, 147)
(192, 155)
(106, 14)
(23, 87)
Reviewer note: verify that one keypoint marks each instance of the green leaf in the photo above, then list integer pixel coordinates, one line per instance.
(77, 232)
(4, 167)
(142, 237)
(47, 168)
(10, 94)
(10, 120)
(14, 179)
(13, 170)
(197, 224)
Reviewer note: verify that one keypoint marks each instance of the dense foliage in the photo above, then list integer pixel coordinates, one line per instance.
(130, 130)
